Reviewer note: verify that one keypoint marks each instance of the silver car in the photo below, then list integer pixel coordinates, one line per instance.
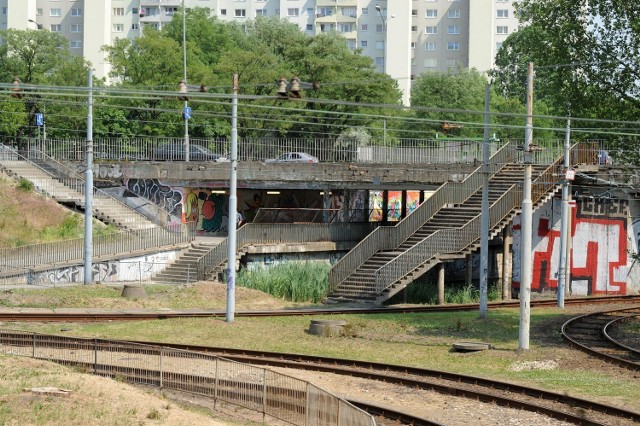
(293, 157)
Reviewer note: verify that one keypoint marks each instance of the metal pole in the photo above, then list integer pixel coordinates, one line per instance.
(88, 189)
(526, 225)
(564, 220)
(233, 206)
(184, 60)
(484, 217)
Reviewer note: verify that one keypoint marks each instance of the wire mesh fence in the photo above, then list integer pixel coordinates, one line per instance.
(259, 389)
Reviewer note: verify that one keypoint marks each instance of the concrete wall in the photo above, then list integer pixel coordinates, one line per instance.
(603, 238)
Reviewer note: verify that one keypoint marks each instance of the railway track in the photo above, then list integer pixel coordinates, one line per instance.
(93, 315)
(590, 333)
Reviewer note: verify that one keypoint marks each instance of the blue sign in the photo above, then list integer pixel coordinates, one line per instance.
(186, 113)
(39, 119)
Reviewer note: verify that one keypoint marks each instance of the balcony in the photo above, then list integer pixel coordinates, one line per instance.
(320, 3)
(168, 3)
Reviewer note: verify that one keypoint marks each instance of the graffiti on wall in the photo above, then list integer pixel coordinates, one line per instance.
(598, 256)
(164, 196)
(209, 210)
(357, 206)
(394, 206)
(375, 206)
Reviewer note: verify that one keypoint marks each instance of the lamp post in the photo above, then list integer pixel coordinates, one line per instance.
(185, 114)
(39, 26)
(384, 46)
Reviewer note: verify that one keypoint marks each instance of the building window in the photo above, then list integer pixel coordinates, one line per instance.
(379, 28)
(430, 63)
(414, 12)
(345, 28)
(498, 46)
(414, 28)
(135, 27)
(432, 13)
(309, 27)
(453, 45)
(502, 29)
(502, 13)
(431, 46)
(351, 12)
(310, 11)
(76, 28)
(292, 11)
(413, 44)
(453, 13)
(240, 13)
(223, 12)
(55, 12)
(453, 29)
(380, 45)
(76, 44)
(134, 10)
(39, 12)
(4, 11)
(118, 28)
(364, 27)
(351, 44)
(76, 12)
(364, 43)
(379, 61)
(324, 11)
(56, 28)
(431, 30)
(118, 11)
(261, 12)
(365, 11)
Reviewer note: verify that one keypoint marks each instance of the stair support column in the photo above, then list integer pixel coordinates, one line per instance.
(507, 240)
(468, 270)
(441, 284)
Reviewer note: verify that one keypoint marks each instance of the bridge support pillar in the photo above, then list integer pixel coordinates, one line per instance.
(507, 263)
(441, 283)
(468, 270)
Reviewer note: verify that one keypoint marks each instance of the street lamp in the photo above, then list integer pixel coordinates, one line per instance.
(39, 26)
(384, 46)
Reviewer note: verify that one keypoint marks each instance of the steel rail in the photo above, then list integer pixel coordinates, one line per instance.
(114, 315)
(588, 332)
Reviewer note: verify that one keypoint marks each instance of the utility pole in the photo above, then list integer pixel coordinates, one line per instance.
(233, 207)
(526, 222)
(564, 218)
(185, 113)
(484, 217)
(88, 190)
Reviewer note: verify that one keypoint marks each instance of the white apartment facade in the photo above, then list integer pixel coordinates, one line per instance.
(403, 37)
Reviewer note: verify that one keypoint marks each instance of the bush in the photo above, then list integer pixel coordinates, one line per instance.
(293, 281)
(25, 185)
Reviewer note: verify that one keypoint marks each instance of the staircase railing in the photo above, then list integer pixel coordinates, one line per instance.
(456, 240)
(70, 179)
(35, 255)
(274, 233)
(389, 237)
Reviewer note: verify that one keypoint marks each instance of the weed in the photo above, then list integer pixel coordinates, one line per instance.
(25, 185)
(154, 414)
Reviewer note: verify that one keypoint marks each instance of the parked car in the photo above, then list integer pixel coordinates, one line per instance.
(293, 157)
(175, 151)
(604, 158)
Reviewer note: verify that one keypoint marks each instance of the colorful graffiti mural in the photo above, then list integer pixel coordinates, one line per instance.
(394, 206)
(413, 201)
(375, 206)
(598, 257)
(208, 209)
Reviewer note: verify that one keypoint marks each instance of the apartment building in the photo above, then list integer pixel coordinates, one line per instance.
(403, 37)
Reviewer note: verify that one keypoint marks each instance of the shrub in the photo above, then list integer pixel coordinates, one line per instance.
(25, 185)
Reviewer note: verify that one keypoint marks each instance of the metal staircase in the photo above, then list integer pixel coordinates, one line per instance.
(446, 225)
(68, 189)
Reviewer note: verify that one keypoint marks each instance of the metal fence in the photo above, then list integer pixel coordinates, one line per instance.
(280, 396)
(126, 242)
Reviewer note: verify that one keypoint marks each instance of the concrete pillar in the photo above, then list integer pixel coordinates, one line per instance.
(468, 270)
(507, 263)
(441, 284)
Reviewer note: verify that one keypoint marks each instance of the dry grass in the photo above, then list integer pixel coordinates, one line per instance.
(26, 215)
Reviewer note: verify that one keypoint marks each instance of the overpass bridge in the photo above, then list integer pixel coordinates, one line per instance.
(400, 249)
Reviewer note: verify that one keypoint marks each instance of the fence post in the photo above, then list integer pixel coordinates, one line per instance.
(95, 356)
(215, 385)
(307, 406)
(161, 374)
(264, 395)
(33, 350)
(139, 273)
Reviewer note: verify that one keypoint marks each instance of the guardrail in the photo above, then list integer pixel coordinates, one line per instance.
(68, 251)
(274, 233)
(259, 389)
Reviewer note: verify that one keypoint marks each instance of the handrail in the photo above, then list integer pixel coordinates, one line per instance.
(386, 238)
(72, 250)
(456, 240)
(72, 176)
(274, 233)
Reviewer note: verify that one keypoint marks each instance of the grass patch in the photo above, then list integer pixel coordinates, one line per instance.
(422, 292)
(293, 281)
